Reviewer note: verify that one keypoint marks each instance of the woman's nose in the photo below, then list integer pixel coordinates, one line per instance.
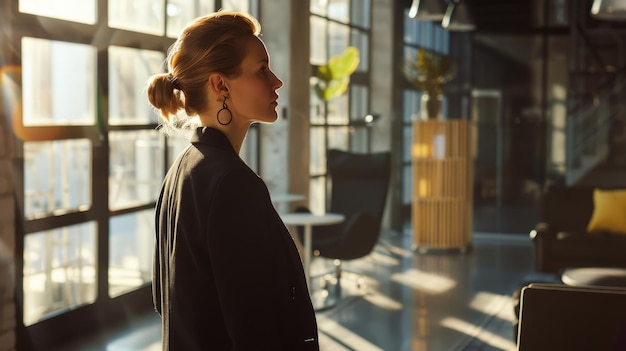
(278, 83)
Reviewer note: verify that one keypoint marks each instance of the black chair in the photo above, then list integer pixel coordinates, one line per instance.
(358, 186)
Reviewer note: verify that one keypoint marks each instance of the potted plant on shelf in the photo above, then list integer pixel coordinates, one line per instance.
(332, 79)
(429, 72)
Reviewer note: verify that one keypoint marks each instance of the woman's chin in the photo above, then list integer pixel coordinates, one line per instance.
(271, 118)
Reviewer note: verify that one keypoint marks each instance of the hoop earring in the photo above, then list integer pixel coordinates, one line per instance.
(224, 108)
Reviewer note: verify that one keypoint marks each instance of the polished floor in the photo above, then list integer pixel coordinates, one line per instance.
(407, 301)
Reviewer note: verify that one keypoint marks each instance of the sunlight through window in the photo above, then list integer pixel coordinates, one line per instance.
(423, 281)
(477, 332)
(493, 304)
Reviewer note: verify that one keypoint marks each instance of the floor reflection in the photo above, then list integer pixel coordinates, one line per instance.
(407, 301)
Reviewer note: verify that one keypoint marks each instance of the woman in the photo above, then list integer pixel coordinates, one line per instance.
(227, 274)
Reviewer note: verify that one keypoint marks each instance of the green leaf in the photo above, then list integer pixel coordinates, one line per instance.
(324, 74)
(344, 65)
(334, 77)
(335, 89)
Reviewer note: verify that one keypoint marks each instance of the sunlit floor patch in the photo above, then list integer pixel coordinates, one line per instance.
(383, 301)
(422, 281)
(342, 335)
(479, 333)
(493, 304)
(384, 259)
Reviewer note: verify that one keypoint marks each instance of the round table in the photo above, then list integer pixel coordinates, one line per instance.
(308, 220)
(599, 276)
(280, 200)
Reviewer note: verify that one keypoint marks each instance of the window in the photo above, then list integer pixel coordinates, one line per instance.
(93, 160)
(336, 25)
(431, 36)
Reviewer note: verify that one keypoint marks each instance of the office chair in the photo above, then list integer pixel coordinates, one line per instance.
(358, 190)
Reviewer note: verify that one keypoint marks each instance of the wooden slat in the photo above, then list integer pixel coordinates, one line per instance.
(442, 184)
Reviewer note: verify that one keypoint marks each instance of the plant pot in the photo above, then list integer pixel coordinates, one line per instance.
(430, 106)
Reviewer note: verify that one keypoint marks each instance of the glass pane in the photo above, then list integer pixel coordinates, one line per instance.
(318, 41)
(411, 106)
(251, 143)
(360, 139)
(407, 143)
(426, 34)
(317, 161)
(339, 10)
(136, 167)
(59, 270)
(182, 12)
(317, 192)
(358, 102)
(236, 5)
(338, 138)
(57, 177)
(145, 16)
(410, 28)
(83, 11)
(338, 110)
(318, 7)
(361, 41)
(176, 143)
(361, 13)
(128, 71)
(407, 184)
(58, 82)
(317, 108)
(130, 251)
(338, 38)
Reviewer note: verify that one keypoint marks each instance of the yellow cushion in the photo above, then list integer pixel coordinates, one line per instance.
(609, 211)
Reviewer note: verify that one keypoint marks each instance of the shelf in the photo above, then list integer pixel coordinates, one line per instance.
(442, 184)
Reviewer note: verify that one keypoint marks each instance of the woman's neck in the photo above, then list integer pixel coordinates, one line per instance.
(235, 133)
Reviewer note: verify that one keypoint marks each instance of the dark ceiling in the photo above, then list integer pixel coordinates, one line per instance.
(532, 16)
(502, 16)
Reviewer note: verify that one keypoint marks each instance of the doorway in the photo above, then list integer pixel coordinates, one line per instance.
(504, 196)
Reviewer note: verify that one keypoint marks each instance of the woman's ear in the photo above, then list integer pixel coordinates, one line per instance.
(217, 84)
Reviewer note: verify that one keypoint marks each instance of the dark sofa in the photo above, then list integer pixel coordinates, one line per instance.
(561, 239)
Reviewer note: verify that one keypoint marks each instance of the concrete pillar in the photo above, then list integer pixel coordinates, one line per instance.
(9, 74)
(285, 160)
(7, 200)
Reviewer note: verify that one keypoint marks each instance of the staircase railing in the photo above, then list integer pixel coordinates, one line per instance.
(588, 128)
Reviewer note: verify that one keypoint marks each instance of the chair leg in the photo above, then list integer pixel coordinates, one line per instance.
(338, 273)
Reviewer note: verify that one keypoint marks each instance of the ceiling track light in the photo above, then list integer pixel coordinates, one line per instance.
(457, 17)
(610, 10)
(429, 10)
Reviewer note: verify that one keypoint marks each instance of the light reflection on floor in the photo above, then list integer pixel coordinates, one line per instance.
(409, 301)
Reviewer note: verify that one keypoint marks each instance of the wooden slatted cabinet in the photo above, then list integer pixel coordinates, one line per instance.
(442, 184)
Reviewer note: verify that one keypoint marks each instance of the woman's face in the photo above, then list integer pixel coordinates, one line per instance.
(252, 94)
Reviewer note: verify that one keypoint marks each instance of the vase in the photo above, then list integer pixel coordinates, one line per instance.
(430, 106)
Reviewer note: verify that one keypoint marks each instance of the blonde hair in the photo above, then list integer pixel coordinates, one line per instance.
(210, 44)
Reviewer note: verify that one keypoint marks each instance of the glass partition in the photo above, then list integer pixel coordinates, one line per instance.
(59, 270)
(144, 16)
(136, 167)
(130, 256)
(57, 177)
(83, 11)
(58, 83)
(129, 69)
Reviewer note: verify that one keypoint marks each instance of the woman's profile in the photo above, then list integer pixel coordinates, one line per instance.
(227, 274)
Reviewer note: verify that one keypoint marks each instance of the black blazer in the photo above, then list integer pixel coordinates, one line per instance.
(227, 274)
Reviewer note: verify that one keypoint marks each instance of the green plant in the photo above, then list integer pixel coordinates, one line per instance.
(429, 72)
(334, 77)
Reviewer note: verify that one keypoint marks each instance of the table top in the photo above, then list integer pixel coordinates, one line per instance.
(301, 218)
(286, 197)
(603, 276)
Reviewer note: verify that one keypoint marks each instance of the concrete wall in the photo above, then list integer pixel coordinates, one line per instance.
(285, 28)
(7, 225)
